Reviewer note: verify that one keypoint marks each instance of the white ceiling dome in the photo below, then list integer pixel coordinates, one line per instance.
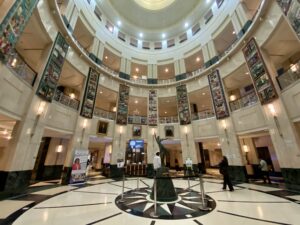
(154, 4)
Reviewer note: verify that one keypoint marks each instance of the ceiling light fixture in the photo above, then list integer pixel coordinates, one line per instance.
(141, 35)
(72, 95)
(233, 32)
(136, 101)
(110, 29)
(166, 70)
(207, 1)
(137, 70)
(203, 93)
(163, 35)
(165, 112)
(198, 59)
(119, 23)
(100, 92)
(186, 24)
(106, 57)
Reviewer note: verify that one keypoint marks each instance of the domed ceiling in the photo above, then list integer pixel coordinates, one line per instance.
(154, 17)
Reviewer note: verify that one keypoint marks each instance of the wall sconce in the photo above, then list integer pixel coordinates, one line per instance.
(225, 130)
(273, 112)
(83, 130)
(186, 136)
(246, 150)
(121, 131)
(58, 150)
(39, 112)
(294, 67)
(114, 109)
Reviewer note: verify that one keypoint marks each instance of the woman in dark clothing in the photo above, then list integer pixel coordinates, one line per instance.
(224, 171)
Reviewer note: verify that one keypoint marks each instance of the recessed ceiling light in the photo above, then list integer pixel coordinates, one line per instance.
(135, 77)
(119, 23)
(247, 73)
(141, 35)
(136, 101)
(137, 69)
(203, 93)
(198, 59)
(100, 92)
(163, 35)
(106, 57)
(207, 1)
(110, 29)
(166, 70)
(168, 101)
(186, 24)
(165, 112)
(233, 32)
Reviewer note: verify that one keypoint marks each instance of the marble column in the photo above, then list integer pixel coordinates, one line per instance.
(236, 24)
(100, 53)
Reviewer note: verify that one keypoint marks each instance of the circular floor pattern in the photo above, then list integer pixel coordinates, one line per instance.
(137, 202)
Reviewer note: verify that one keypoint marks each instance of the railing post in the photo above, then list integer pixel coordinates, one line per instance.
(154, 214)
(123, 184)
(203, 199)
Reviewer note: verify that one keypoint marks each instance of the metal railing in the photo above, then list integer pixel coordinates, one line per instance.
(169, 119)
(137, 120)
(203, 115)
(247, 100)
(66, 100)
(20, 68)
(104, 114)
(289, 77)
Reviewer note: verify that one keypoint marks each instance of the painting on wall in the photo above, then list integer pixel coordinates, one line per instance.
(52, 71)
(259, 74)
(152, 108)
(90, 94)
(122, 111)
(217, 94)
(183, 105)
(169, 131)
(136, 131)
(102, 127)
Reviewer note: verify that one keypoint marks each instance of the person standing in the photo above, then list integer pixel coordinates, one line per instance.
(156, 162)
(224, 171)
(264, 170)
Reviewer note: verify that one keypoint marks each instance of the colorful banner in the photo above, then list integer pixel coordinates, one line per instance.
(53, 69)
(122, 112)
(217, 94)
(79, 166)
(152, 108)
(183, 105)
(291, 8)
(88, 102)
(261, 79)
(13, 26)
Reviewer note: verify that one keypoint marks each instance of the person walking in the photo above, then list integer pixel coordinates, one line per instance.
(156, 162)
(264, 170)
(224, 171)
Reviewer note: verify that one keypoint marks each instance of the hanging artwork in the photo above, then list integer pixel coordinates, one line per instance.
(259, 74)
(13, 26)
(217, 94)
(53, 69)
(291, 8)
(90, 94)
(152, 106)
(122, 112)
(183, 105)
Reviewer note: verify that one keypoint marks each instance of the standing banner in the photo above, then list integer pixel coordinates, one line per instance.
(291, 8)
(87, 108)
(259, 74)
(79, 166)
(122, 112)
(13, 26)
(51, 74)
(217, 94)
(152, 108)
(183, 105)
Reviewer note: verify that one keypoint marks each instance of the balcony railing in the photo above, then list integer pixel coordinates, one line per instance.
(19, 67)
(170, 119)
(104, 114)
(247, 100)
(137, 120)
(203, 115)
(289, 77)
(66, 100)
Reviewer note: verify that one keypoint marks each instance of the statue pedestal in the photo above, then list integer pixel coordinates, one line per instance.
(165, 190)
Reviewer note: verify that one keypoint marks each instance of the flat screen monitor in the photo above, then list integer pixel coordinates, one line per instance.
(136, 144)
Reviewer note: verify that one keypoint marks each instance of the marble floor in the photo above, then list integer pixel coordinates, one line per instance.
(97, 203)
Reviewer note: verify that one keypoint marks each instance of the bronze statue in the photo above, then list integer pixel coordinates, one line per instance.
(162, 149)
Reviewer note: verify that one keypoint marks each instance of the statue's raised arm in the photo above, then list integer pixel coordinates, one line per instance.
(162, 149)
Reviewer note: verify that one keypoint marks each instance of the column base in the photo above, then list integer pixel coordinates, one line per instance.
(66, 175)
(291, 178)
(52, 172)
(238, 173)
(14, 182)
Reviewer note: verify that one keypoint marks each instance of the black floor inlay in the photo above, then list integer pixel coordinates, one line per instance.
(152, 222)
(253, 201)
(197, 222)
(95, 192)
(252, 218)
(106, 218)
(69, 206)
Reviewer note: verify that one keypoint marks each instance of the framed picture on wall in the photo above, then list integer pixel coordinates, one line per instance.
(136, 130)
(102, 127)
(169, 131)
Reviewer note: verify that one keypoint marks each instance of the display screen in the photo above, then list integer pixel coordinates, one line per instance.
(136, 144)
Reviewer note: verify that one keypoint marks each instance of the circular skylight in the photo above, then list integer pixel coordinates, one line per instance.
(154, 4)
